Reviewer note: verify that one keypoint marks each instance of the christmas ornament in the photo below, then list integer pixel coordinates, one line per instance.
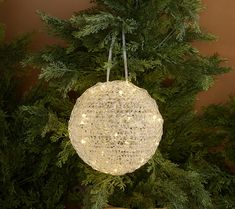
(115, 127)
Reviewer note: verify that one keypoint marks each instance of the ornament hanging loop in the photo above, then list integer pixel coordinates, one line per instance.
(124, 53)
(110, 58)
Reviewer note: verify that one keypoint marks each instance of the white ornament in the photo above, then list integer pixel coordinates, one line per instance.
(115, 127)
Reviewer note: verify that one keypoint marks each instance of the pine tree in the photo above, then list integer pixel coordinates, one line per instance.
(47, 171)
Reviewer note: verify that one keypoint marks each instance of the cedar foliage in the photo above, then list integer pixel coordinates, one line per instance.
(216, 158)
(42, 169)
(10, 158)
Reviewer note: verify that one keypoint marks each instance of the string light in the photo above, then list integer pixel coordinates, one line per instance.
(115, 134)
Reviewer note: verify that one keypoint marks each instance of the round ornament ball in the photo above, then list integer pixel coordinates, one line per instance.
(115, 127)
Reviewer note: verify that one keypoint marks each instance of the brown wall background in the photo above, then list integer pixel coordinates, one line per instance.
(218, 18)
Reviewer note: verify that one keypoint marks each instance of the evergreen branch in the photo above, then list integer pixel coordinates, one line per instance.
(103, 186)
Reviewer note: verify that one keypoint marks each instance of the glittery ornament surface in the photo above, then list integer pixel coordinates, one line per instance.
(115, 127)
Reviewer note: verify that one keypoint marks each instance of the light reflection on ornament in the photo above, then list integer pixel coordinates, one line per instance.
(83, 141)
(120, 92)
